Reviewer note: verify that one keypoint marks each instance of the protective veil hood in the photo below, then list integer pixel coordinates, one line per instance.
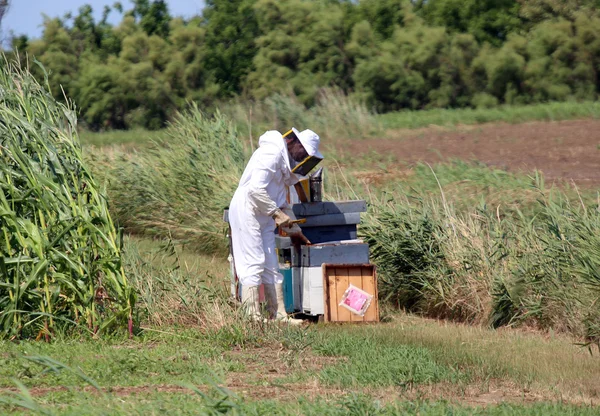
(274, 140)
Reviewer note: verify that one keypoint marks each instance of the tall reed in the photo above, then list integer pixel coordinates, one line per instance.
(491, 266)
(179, 187)
(59, 251)
(334, 115)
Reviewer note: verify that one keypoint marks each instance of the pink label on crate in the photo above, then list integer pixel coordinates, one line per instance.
(355, 299)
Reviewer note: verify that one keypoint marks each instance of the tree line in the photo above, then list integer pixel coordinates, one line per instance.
(393, 54)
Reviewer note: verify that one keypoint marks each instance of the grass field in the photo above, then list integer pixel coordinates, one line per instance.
(194, 353)
(388, 121)
(408, 364)
(507, 113)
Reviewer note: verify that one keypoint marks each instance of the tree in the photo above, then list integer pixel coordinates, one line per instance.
(153, 16)
(231, 29)
(302, 49)
(536, 11)
(487, 20)
(418, 67)
(384, 15)
(3, 9)
(102, 95)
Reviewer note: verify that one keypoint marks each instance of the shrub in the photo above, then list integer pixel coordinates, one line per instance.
(537, 266)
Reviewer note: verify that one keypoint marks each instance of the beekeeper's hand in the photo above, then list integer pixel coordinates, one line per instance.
(295, 234)
(282, 219)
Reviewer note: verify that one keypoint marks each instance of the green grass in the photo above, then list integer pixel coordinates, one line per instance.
(376, 359)
(190, 335)
(188, 356)
(475, 354)
(376, 369)
(361, 123)
(177, 190)
(217, 401)
(383, 369)
(509, 114)
(193, 403)
(117, 362)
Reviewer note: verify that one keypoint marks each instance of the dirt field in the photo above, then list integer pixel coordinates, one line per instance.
(561, 150)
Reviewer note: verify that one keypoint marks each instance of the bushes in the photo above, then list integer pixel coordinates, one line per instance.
(492, 267)
(405, 244)
(60, 255)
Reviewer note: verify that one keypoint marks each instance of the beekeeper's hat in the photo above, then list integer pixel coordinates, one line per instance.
(310, 141)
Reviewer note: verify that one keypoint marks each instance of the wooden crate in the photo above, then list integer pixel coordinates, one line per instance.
(336, 279)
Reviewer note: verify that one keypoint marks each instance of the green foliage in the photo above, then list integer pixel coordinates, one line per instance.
(536, 11)
(384, 15)
(180, 187)
(488, 20)
(334, 115)
(471, 262)
(153, 16)
(60, 254)
(390, 54)
(231, 31)
(486, 113)
(300, 50)
(377, 361)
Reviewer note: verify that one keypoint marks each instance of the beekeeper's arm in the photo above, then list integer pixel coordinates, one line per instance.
(262, 175)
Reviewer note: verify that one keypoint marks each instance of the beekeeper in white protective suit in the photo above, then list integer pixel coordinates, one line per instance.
(258, 206)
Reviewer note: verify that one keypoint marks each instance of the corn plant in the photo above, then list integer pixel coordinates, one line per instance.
(60, 262)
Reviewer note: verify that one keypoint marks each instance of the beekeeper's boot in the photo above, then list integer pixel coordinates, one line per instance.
(276, 306)
(251, 302)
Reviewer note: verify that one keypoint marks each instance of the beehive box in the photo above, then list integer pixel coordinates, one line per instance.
(336, 279)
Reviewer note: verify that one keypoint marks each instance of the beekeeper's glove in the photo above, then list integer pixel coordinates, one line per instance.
(296, 235)
(281, 218)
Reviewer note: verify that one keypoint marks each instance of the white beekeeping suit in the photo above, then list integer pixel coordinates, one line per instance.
(260, 196)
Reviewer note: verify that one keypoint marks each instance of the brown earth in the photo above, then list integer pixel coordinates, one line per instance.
(562, 150)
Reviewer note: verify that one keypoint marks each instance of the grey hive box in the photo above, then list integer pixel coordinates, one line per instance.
(330, 221)
(335, 253)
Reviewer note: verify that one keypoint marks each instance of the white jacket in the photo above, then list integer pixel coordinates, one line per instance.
(267, 175)
(262, 189)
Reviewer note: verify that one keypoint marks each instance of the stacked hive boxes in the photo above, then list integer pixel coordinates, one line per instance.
(332, 229)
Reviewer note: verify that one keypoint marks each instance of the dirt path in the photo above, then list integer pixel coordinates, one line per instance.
(492, 392)
(561, 150)
(262, 380)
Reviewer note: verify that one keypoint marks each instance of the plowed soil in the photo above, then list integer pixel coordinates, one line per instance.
(562, 150)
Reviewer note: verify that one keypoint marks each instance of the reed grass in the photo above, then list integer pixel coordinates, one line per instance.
(487, 265)
(179, 188)
(59, 252)
(334, 115)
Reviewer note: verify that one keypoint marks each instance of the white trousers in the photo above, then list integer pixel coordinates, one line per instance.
(253, 243)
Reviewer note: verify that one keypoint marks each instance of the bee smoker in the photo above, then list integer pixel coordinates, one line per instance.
(316, 186)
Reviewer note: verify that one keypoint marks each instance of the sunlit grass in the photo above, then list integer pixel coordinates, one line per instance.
(508, 113)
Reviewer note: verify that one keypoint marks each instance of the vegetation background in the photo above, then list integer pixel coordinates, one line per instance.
(458, 241)
(393, 54)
